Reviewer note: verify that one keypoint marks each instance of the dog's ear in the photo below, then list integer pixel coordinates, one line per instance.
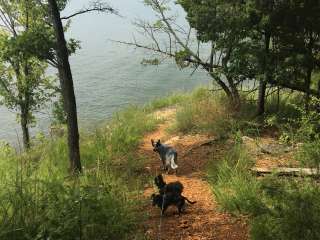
(158, 142)
(158, 180)
(152, 142)
(153, 196)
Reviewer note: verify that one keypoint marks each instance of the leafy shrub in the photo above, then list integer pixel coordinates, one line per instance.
(299, 125)
(59, 115)
(309, 154)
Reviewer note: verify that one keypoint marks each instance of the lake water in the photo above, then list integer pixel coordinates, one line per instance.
(109, 76)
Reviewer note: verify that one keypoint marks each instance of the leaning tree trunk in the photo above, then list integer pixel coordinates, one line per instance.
(66, 83)
(235, 96)
(230, 90)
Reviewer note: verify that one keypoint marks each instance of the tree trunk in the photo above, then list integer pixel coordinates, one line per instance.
(25, 129)
(66, 83)
(23, 96)
(278, 99)
(25, 106)
(222, 85)
(261, 98)
(307, 89)
(309, 72)
(236, 101)
(263, 83)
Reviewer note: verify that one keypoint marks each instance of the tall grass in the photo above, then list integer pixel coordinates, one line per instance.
(234, 187)
(277, 208)
(38, 200)
(211, 113)
(202, 112)
(167, 101)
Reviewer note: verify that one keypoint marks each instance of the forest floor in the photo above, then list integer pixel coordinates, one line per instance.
(203, 220)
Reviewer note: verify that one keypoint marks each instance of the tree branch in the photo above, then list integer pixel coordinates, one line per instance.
(10, 94)
(206, 66)
(96, 7)
(165, 20)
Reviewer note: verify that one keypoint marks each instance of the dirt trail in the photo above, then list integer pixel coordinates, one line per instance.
(201, 220)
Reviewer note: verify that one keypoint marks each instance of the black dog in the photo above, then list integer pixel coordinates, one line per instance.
(173, 187)
(165, 200)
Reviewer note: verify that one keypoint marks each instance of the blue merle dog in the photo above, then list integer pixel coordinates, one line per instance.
(168, 155)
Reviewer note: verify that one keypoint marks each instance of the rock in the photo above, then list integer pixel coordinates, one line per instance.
(172, 140)
(274, 148)
(184, 224)
(247, 139)
(149, 232)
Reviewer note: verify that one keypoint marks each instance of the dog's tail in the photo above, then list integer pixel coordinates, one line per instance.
(173, 165)
(191, 202)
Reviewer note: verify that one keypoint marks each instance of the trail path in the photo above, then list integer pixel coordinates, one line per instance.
(201, 221)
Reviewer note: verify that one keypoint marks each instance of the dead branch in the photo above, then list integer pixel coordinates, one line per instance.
(205, 143)
(194, 61)
(283, 171)
(96, 6)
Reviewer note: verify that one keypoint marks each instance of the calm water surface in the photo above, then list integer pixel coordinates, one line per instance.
(109, 76)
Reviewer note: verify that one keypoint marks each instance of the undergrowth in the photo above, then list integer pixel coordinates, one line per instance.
(211, 113)
(168, 101)
(39, 200)
(276, 208)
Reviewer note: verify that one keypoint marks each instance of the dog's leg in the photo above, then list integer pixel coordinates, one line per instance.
(163, 167)
(163, 209)
(180, 206)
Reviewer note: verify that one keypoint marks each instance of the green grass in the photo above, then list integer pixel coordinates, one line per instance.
(276, 208)
(167, 101)
(234, 187)
(211, 113)
(39, 200)
(309, 154)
